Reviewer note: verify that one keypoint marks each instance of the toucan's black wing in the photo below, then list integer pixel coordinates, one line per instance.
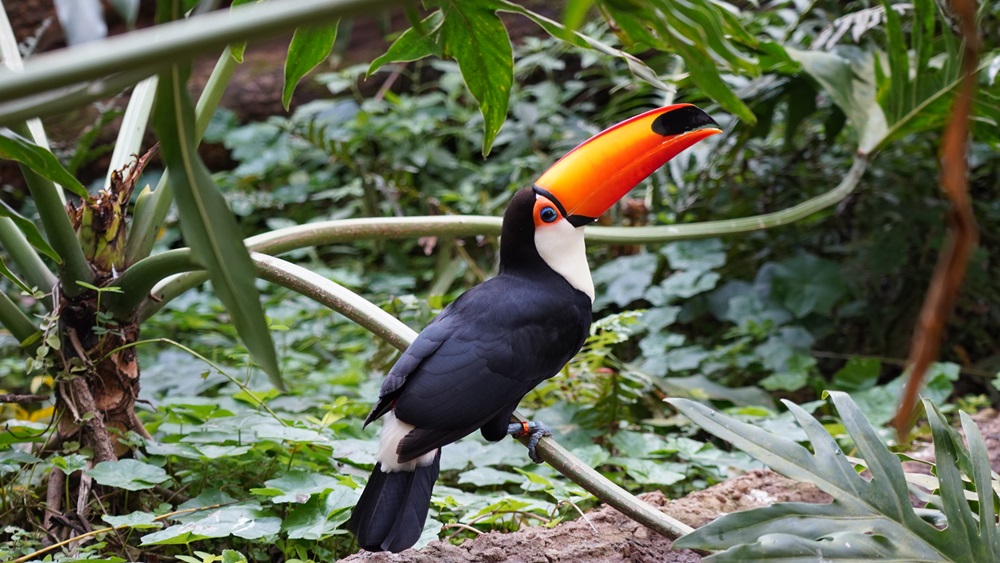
(425, 344)
(492, 346)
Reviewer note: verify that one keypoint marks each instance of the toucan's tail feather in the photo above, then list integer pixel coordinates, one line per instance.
(393, 507)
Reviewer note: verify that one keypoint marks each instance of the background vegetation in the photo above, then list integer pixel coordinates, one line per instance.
(838, 105)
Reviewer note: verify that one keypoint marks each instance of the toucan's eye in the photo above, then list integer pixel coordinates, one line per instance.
(548, 214)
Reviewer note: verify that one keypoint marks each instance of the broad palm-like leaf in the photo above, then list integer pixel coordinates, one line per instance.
(869, 519)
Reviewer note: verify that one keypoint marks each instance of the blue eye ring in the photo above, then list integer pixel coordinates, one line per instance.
(548, 215)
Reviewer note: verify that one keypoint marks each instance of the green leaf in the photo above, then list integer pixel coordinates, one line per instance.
(626, 279)
(698, 255)
(297, 486)
(476, 38)
(247, 521)
(206, 221)
(310, 46)
(488, 476)
(682, 285)
(414, 43)
(70, 463)
(848, 76)
(138, 520)
(870, 518)
(129, 474)
(38, 159)
(30, 231)
(858, 374)
(575, 12)
(232, 556)
(321, 515)
(701, 388)
(807, 284)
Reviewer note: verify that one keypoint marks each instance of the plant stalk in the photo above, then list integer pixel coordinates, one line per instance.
(28, 262)
(14, 320)
(59, 231)
(151, 212)
(177, 42)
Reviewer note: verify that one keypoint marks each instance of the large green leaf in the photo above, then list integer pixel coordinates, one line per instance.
(868, 519)
(473, 35)
(847, 75)
(38, 159)
(413, 44)
(703, 33)
(206, 221)
(310, 46)
(247, 521)
(129, 474)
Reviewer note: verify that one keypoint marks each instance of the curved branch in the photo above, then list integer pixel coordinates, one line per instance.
(146, 276)
(384, 325)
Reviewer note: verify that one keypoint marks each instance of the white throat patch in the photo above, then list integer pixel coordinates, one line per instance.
(562, 247)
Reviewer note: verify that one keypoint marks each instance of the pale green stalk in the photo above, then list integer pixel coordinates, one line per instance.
(176, 42)
(133, 127)
(13, 319)
(29, 264)
(71, 97)
(59, 231)
(152, 206)
(382, 324)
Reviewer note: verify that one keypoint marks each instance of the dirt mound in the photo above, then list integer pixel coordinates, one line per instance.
(605, 535)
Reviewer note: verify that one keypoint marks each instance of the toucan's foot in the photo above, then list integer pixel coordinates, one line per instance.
(535, 429)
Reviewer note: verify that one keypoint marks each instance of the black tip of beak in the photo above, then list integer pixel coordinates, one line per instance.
(682, 120)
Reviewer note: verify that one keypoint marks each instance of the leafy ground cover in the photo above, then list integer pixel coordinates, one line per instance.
(237, 470)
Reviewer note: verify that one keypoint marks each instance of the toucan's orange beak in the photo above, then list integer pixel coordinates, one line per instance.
(593, 176)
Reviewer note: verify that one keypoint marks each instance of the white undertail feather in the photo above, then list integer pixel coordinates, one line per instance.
(562, 247)
(393, 431)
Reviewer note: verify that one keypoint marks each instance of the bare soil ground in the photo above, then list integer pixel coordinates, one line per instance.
(607, 536)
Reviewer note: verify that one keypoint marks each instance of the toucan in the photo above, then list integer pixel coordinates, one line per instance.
(471, 366)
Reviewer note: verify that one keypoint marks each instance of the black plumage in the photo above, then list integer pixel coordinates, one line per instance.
(470, 368)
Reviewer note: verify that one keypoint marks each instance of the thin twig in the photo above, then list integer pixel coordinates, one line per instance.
(580, 512)
(18, 398)
(462, 527)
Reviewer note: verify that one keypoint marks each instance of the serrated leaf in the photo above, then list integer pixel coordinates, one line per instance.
(868, 519)
(129, 474)
(476, 38)
(310, 46)
(206, 221)
(38, 159)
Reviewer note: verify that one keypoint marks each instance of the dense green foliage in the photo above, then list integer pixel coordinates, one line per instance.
(828, 303)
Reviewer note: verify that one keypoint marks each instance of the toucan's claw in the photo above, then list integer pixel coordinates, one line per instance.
(536, 430)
